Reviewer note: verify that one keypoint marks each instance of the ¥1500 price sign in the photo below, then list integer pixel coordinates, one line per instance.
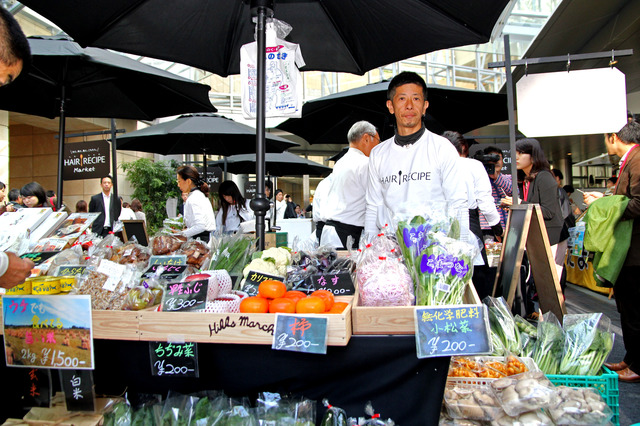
(48, 331)
(174, 359)
(452, 330)
(300, 333)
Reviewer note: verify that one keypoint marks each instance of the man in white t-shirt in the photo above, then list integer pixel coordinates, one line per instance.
(346, 200)
(415, 166)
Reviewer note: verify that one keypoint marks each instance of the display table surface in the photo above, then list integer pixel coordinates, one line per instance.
(380, 369)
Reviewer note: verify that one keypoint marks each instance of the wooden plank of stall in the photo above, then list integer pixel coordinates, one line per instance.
(381, 320)
(231, 327)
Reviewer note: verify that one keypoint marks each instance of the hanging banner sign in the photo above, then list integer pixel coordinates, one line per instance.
(48, 331)
(174, 359)
(250, 189)
(86, 160)
(298, 333)
(452, 330)
(559, 103)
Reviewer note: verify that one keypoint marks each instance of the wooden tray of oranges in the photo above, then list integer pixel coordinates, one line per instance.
(255, 323)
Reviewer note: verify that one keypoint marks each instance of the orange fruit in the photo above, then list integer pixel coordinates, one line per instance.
(325, 295)
(295, 295)
(283, 304)
(310, 305)
(272, 289)
(254, 305)
(338, 307)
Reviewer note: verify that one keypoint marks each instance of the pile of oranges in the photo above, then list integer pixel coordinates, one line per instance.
(273, 297)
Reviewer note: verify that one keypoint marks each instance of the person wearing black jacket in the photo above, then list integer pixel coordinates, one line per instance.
(107, 205)
(290, 212)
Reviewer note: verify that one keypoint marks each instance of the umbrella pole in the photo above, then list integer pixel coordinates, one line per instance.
(114, 156)
(204, 165)
(260, 204)
(61, 149)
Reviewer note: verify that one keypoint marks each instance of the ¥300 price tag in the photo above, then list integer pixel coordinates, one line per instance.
(452, 330)
(174, 359)
(185, 296)
(299, 333)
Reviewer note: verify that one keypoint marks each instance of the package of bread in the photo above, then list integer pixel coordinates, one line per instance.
(167, 244)
(197, 253)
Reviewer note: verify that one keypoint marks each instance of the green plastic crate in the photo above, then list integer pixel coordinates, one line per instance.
(606, 383)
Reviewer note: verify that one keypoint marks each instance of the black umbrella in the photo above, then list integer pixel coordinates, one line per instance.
(206, 134)
(328, 119)
(67, 80)
(283, 164)
(335, 35)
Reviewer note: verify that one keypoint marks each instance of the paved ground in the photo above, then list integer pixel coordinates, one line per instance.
(582, 300)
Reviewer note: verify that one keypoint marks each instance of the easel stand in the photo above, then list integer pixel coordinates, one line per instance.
(525, 228)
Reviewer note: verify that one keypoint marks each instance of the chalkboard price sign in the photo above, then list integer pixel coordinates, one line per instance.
(169, 271)
(178, 259)
(339, 284)
(452, 330)
(299, 333)
(254, 279)
(78, 389)
(39, 257)
(185, 296)
(174, 359)
(67, 270)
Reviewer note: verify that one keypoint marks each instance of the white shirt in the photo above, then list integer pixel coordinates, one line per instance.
(419, 173)
(4, 263)
(320, 199)
(281, 208)
(233, 220)
(106, 199)
(346, 200)
(141, 216)
(198, 214)
(127, 214)
(479, 189)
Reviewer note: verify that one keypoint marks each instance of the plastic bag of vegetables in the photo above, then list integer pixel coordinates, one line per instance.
(524, 392)
(230, 252)
(528, 334)
(549, 344)
(334, 416)
(503, 326)
(588, 342)
(117, 412)
(579, 406)
(178, 409)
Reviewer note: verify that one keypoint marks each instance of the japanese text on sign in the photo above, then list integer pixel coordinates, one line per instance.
(174, 359)
(452, 330)
(168, 260)
(340, 284)
(185, 296)
(300, 334)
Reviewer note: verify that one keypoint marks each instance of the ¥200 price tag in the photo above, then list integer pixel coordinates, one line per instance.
(300, 333)
(452, 330)
(174, 359)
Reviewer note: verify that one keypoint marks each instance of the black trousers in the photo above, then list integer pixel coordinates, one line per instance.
(481, 273)
(344, 230)
(627, 293)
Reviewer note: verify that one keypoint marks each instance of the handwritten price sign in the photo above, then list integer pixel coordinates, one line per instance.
(254, 279)
(339, 284)
(299, 333)
(67, 270)
(452, 330)
(174, 359)
(186, 296)
(169, 271)
(179, 259)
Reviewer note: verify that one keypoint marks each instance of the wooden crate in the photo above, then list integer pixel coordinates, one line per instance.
(231, 328)
(393, 319)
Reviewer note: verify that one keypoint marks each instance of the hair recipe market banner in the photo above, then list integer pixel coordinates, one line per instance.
(86, 160)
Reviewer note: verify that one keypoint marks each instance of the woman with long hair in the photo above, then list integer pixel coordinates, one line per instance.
(136, 206)
(199, 219)
(538, 185)
(34, 195)
(234, 209)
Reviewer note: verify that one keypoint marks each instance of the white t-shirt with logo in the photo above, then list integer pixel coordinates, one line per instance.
(284, 83)
(423, 172)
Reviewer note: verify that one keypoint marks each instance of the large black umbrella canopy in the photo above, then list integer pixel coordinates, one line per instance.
(98, 83)
(210, 134)
(283, 164)
(328, 119)
(67, 80)
(335, 35)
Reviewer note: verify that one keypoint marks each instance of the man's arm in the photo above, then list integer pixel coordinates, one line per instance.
(93, 208)
(13, 270)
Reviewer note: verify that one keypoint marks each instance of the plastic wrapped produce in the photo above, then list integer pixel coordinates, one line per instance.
(579, 406)
(524, 392)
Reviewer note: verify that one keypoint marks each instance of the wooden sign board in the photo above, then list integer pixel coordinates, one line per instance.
(525, 228)
(137, 228)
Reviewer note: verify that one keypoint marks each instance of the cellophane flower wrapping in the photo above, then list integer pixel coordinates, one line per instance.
(382, 278)
(439, 262)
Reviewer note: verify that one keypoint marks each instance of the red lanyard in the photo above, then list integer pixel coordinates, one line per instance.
(525, 190)
(624, 163)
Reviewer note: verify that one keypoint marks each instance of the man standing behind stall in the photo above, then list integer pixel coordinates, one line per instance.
(627, 291)
(415, 166)
(107, 205)
(346, 201)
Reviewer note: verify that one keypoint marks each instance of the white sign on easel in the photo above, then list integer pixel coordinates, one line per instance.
(580, 102)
